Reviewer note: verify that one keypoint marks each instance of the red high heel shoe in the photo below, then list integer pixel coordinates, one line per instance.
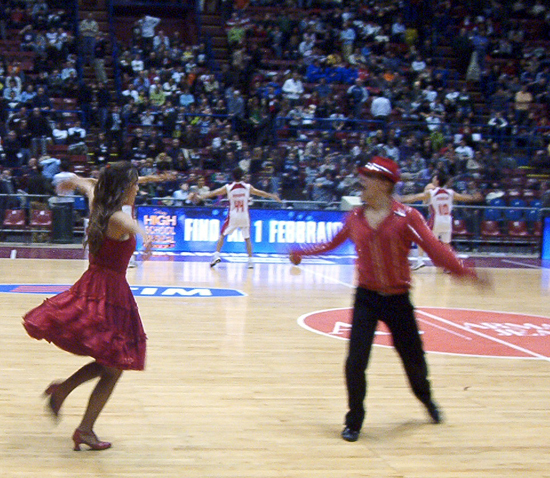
(53, 404)
(90, 439)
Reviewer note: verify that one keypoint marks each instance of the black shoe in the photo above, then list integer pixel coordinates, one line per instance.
(350, 435)
(434, 412)
(215, 261)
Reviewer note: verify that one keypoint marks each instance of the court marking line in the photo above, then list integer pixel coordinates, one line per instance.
(337, 281)
(517, 263)
(485, 336)
(301, 321)
(442, 328)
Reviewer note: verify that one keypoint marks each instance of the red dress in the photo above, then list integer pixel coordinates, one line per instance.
(98, 315)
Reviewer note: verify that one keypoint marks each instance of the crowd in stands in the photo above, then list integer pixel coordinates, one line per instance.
(312, 88)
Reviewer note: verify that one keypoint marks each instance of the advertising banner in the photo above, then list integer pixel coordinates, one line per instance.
(546, 240)
(273, 231)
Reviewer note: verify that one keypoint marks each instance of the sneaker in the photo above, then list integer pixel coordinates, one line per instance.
(418, 265)
(250, 264)
(434, 412)
(350, 435)
(133, 262)
(215, 260)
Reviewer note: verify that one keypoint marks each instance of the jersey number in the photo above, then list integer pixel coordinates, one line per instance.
(443, 209)
(239, 205)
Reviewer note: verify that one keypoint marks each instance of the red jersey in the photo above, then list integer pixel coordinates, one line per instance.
(382, 253)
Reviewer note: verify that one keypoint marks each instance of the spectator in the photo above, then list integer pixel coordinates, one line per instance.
(102, 150)
(463, 151)
(77, 138)
(50, 166)
(88, 30)
(147, 26)
(8, 200)
(60, 134)
(12, 151)
(324, 187)
(27, 95)
(347, 39)
(523, 101)
(42, 100)
(39, 185)
(357, 95)
(115, 128)
(293, 88)
(100, 53)
(12, 88)
(181, 195)
(380, 107)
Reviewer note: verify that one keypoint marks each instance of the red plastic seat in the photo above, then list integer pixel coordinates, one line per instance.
(40, 219)
(490, 231)
(518, 229)
(14, 219)
(460, 229)
(40, 224)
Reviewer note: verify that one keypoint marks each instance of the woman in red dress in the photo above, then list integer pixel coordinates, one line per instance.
(98, 315)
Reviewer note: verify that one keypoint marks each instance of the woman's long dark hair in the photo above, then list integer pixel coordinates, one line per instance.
(109, 193)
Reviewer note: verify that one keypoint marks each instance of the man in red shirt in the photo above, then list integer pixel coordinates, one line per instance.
(383, 231)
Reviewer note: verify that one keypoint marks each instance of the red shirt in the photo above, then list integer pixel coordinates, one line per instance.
(382, 253)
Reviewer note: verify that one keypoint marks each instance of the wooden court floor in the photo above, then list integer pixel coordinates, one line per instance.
(234, 387)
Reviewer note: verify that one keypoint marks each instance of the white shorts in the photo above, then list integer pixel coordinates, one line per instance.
(229, 228)
(444, 235)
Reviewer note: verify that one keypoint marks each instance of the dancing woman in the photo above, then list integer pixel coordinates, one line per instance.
(98, 315)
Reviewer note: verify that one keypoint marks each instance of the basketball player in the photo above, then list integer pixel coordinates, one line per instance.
(238, 193)
(440, 200)
(420, 252)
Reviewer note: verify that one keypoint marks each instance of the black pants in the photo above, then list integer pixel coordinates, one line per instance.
(397, 312)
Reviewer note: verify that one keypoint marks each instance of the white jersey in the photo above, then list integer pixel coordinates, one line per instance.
(238, 194)
(441, 207)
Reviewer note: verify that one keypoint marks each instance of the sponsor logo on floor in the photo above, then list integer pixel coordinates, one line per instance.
(454, 331)
(138, 291)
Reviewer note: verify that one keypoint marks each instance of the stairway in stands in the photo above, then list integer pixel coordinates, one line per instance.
(100, 12)
(212, 26)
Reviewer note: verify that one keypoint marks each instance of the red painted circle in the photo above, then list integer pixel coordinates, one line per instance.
(454, 331)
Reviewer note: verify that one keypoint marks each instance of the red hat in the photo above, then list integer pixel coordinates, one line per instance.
(382, 166)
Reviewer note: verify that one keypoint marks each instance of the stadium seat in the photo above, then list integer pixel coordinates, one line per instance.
(514, 213)
(40, 223)
(532, 215)
(492, 214)
(513, 194)
(532, 183)
(490, 231)
(518, 230)
(40, 219)
(517, 182)
(80, 203)
(14, 219)
(529, 194)
(497, 202)
(460, 229)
